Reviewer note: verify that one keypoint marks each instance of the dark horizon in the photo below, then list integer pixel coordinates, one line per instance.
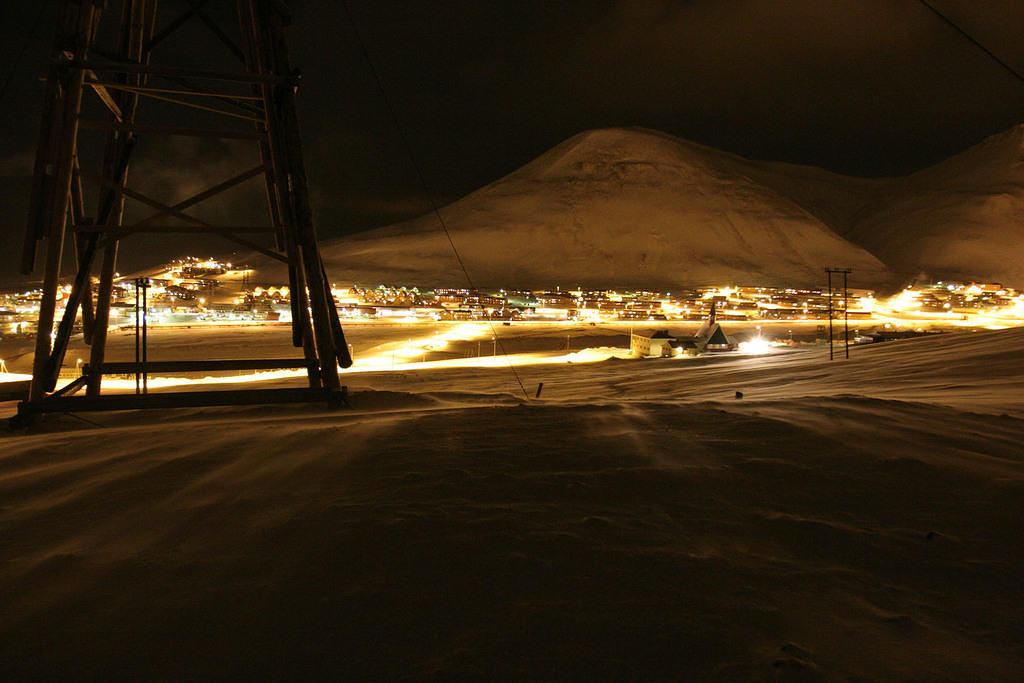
(877, 88)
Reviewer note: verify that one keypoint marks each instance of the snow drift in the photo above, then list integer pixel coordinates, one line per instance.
(851, 520)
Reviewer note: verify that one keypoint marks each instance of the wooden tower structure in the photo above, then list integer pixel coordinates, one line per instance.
(107, 60)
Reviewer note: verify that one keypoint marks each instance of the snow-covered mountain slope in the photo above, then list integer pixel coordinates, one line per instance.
(960, 219)
(626, 207)
(637, 208)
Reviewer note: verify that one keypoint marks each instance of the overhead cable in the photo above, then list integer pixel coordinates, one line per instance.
(419, 173)
(974, 42)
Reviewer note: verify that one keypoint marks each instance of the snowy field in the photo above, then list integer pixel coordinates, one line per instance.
(855, 519)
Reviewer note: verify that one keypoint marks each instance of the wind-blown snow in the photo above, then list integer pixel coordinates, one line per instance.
(845, 520)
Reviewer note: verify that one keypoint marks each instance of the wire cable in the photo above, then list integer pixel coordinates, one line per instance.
(974, 42)
(422, 179)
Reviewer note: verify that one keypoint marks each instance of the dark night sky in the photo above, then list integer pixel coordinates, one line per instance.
(864, 87)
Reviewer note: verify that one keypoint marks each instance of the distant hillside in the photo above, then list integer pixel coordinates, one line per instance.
(626, 207)
(960, 219)
(638, 208)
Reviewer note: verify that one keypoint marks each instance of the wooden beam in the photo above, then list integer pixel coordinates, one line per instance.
(173, 26)
(71, 387)
(138, 22)
(172, 229)
(171, 91)
(102, 322)
(204, 195)
(72, 81)
(94, 64)
(193, 105)
(88, 315)
(176, 210)
(216, 30)
(169, 210)
(255, 247)
(14, 391)
(82, 287)
(108, 100)
(92, 124)
(208, 365)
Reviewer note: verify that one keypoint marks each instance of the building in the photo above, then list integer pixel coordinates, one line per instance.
(709, 338)
(661, 343)
(712, 338)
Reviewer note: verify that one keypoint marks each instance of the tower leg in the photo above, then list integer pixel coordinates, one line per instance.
(88, 312)
(58, 208)
(319, 299)
(99, 332)
(301, 331)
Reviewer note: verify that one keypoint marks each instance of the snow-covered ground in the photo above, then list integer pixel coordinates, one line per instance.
(853, 519)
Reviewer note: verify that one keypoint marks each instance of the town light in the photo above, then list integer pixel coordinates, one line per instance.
(756, 346)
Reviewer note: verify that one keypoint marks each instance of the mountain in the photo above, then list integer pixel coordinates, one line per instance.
(961, 219)
(631, 207)
(626, 208)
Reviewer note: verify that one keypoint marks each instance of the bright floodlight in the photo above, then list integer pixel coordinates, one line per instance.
(755, 346)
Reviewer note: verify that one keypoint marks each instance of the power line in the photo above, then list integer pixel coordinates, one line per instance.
(974, 42)
(419, 173)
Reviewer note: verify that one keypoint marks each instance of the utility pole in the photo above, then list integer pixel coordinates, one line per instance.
(828, 272)
(141, 341)
(846, 315)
